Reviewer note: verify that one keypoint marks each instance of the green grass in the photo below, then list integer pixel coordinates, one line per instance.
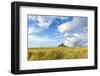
(35, 54)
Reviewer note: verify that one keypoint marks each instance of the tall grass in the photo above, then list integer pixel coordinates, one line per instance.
(56, 53)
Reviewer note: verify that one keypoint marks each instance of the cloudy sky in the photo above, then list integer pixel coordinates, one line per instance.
(50, 31)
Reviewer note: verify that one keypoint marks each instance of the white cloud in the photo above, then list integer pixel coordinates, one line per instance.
(30, 30)
(33, 30)
(68, 44)
(69, 26)
(66, 34)
(44, 21)
(35, 38)
(70, 40)
(76, 39)
(33, 18)
(77, 35)
(78, 21)
(40, 41)
(63, 17)
(64, 27)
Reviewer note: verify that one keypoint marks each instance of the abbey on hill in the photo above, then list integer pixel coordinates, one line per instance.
(61, 45)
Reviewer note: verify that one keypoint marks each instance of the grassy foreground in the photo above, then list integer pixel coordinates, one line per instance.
(56, 53)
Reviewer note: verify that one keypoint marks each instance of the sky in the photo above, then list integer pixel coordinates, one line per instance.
(50, 31)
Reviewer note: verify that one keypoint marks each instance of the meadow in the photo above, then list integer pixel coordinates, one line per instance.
(35, 54)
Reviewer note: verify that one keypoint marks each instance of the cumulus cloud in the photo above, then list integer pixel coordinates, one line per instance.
(65, 27)
(75, 39)
(44, 21)
(71, 25)
(38, 23)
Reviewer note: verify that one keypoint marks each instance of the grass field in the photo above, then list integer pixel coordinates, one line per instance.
(35, 54)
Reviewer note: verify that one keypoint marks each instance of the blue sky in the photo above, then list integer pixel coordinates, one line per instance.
(50, 31)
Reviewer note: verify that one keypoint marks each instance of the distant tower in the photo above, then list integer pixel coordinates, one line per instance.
(61, 45)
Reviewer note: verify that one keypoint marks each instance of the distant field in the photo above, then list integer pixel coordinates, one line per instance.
(35, 54)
